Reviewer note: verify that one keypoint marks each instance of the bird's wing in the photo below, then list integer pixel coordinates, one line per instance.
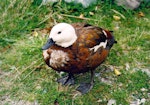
(89, 36)
(92, 44)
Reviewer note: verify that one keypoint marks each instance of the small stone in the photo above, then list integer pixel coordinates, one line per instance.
(111, 102)
(127, 66)
(148, 94)
(38, 87)
(97, 74)
(135, 102)
(143, 89)
(106, 80)
(99, 100)
(143, 100)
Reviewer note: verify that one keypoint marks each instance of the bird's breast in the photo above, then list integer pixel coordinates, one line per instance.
(58, 58)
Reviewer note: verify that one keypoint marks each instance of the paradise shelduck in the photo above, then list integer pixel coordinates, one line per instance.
(77, 48)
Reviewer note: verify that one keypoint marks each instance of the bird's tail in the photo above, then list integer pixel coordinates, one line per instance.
(111, 41)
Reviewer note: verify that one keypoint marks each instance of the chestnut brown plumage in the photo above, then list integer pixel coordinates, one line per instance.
(77, 48)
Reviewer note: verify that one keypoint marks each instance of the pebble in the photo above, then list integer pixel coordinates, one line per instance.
(111, 102)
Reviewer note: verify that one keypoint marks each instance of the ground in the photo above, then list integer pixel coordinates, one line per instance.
(26, 80)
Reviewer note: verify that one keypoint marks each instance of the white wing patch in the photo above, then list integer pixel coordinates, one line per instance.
(104, 33)
(58, 58)
(102, 44)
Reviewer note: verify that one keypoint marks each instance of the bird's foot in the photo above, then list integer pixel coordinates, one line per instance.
(66, 80)
(85, 87)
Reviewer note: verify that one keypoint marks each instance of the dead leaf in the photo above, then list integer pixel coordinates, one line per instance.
(76, 94)
(91, 13)
(96, 8)
(46, 30)
(35, 33)
(38, 67)
(118, 13)
(62, 88)
(141, 14)
(99, 100)
(81, 16)
(127, 66)
(117, 72)
(117, 18)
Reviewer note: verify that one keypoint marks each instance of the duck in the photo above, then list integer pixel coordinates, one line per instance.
(77, 48)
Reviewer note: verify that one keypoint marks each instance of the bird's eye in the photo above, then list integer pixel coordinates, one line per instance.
(59, 32)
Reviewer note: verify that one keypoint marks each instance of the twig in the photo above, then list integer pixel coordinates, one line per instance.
(46, 18)
(83, 18)
(31, 72)
(18, 73)
(119, 13)
(25, 69)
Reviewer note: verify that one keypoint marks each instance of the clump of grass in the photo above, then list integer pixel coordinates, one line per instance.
(19, 18)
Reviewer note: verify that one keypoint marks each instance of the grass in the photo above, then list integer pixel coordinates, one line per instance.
(24, 75)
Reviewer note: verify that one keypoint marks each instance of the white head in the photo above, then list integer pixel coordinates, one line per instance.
(63, 34)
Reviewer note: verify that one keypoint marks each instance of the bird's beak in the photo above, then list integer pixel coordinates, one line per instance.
(49, 43)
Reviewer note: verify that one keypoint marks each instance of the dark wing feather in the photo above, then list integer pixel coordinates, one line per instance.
(88, 35)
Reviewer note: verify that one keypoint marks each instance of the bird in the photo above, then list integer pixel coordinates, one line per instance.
(77, 48)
